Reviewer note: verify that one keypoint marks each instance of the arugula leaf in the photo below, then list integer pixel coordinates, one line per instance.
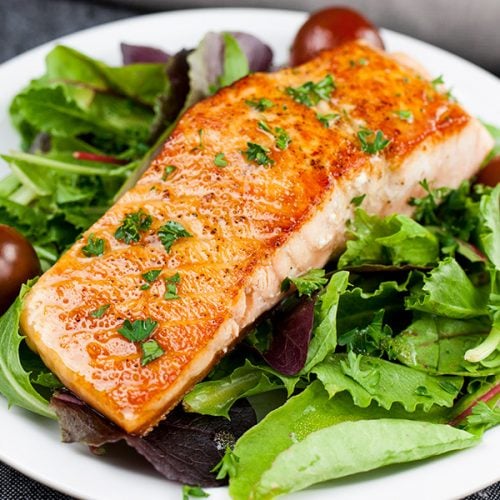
(170, 232)
(151, 350)
(324, 336)
(15, 384)
(447, 291)
(308, 283)
(370, 379)
(216, 397)
(235, 61)
(351, 447)
(395, 239)
(137, 330)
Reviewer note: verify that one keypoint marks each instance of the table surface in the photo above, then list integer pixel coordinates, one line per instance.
(24, 24)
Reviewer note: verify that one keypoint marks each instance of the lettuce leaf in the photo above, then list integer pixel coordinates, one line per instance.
(351, 447)
(15, 384)
(370, 379)
(489, 229)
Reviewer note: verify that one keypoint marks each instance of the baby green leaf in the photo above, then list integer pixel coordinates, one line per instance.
(308, 283)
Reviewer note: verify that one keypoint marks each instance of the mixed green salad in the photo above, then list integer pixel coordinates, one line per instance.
(389, 354)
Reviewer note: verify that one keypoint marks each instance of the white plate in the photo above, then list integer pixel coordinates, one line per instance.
(32, 445)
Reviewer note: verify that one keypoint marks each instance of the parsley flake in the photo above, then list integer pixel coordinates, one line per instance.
(132, 226)
(169, 170)
(137, 330)
(150, 277)
(170, 232)
(357, 200)
(280, 135)
(171, 287)
(261, 104)
(311, 93)
(193, 491)
(220, 160)
(100, 311)
(151, 350)
(325, 120)
(308, 283)
(437, 81)
(227, 465)
(372, 147)
(258, 154)
(405, 115)
(94, 246)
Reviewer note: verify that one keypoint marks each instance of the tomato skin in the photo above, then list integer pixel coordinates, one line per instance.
(490, 174)
(18, 263)
(329, 28)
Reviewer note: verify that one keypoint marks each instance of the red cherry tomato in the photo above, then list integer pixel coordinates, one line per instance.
(329, 28)
(18, 263)
(490, 174)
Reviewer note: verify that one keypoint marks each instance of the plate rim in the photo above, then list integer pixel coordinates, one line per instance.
(40, 49)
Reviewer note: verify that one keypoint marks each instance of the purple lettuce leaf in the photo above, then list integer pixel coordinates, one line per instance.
(184, 447)
(134, 54)
(292, 330)
(206, 62)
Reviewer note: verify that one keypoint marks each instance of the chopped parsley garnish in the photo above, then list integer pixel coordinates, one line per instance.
(150, 277)
(280, 135)
(171, 287)
(94, 246)
(260, 104)
(100, 311)
(220, 160)
(200, 133)
(328, 118)
(357, 200)
(227, 465)
(258, 154)
(170, 232)
(169, 170)
(405, 115)
(360, 62)
(437, 81)
(132, 226)
(151, 350)
(137, 330)
(193, 491)
(308, 283)
(311, 93)
(378, 143)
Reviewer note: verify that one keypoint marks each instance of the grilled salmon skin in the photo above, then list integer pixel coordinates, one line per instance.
(255, 184)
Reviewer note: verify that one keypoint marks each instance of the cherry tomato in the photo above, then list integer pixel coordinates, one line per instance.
(490, 174)
(329, 28)
(18, 263)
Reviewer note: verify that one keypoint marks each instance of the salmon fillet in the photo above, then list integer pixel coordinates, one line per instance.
(228, 209)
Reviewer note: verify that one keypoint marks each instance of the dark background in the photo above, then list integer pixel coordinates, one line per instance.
(24, 24)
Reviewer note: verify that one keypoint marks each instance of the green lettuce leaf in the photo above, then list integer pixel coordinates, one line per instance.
(235, 61)
(489, 229)
(395, 239)
(216, 397)
(447, 291)
(351, 447)
(370, 379)
(324, 335)
(301, 415)
(15, 384)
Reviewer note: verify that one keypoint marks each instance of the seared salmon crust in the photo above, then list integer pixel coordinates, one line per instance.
(244, 193)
